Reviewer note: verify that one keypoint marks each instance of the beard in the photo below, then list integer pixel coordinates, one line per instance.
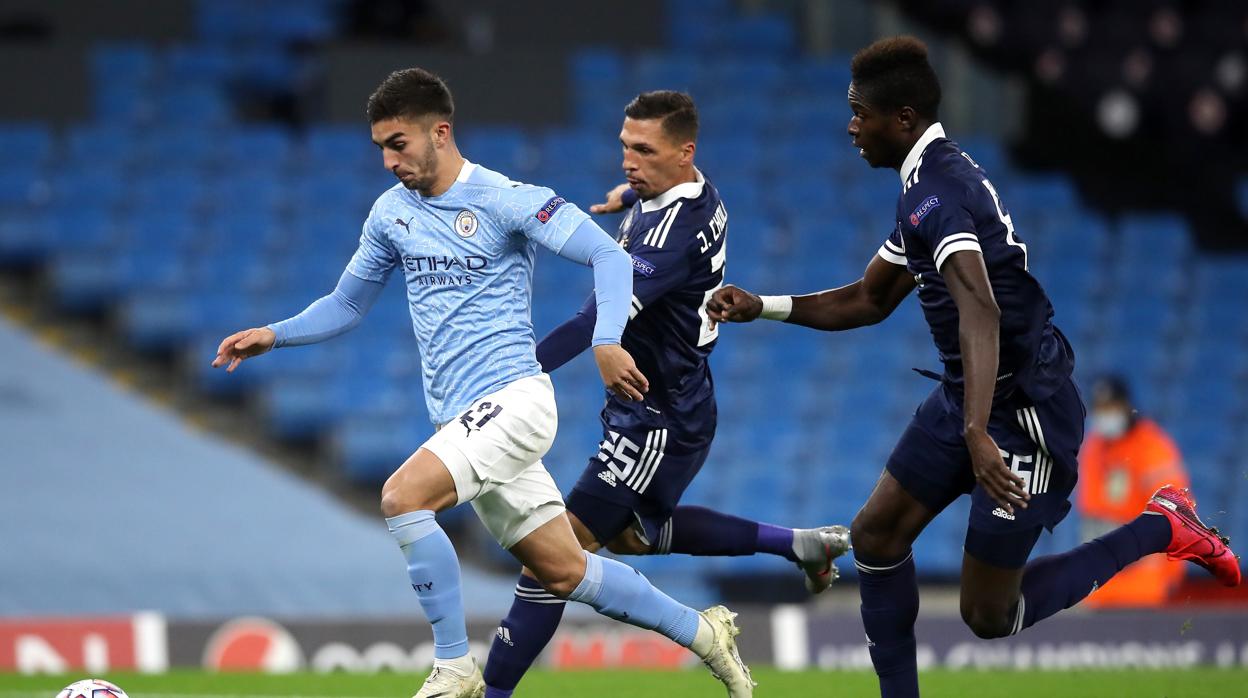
(428, 167)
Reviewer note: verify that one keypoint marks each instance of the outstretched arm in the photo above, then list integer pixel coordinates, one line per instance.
(613, 289)
(327, 317)
(867, 301)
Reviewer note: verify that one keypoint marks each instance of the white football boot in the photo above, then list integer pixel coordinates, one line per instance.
(446, 683)
(722, 658)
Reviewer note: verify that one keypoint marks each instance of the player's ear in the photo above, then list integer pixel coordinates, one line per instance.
(686, 152)
(907, 118)
(440, 134)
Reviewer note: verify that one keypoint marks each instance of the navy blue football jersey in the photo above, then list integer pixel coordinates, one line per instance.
(677, 242)
(947, 204)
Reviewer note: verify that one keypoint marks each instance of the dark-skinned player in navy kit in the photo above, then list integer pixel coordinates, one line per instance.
(1005, 422)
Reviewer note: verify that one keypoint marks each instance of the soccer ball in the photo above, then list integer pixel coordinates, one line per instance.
(91, 688)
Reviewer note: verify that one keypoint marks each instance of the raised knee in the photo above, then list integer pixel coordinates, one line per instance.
(870, 537)
(560, 577)
(561, 583)
(392, 502)
(987, 623)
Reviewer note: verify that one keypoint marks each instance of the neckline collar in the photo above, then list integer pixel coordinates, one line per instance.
(465, 171)
(916, 153)
(684, 190)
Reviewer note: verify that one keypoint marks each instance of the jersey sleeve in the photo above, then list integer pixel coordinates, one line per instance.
(375, 258)
(541, 215)
(941, 218)
(893, 250)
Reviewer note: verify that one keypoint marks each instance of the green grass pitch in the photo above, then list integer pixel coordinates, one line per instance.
(1215, 683)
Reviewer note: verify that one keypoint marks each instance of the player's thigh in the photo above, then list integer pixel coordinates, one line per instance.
(628, 491)
(498, 437)
(889, 521)
(423, 482)
(1040, 444)
(513, 510)
(928, 468)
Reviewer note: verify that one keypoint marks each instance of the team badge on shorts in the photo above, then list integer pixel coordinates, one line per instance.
(466, 224)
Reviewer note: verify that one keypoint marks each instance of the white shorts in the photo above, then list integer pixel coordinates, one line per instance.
(494, 453)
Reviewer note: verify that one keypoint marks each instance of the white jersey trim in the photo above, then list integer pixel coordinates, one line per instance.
(687, 190)
(958, 242)
(891, 257)
(911, 163)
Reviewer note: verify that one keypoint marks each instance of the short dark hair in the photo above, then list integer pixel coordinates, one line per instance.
(676, 109)
(894, 73)
(410, 93)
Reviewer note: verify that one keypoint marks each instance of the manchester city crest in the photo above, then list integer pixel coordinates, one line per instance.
(466, 224)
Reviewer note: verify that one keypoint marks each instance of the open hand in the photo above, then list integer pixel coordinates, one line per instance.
(243, 345)
(614, 202)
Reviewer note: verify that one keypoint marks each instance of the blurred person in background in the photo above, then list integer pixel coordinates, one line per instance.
(1126, 458)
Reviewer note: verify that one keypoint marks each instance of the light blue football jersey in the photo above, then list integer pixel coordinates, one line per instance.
(467, 257)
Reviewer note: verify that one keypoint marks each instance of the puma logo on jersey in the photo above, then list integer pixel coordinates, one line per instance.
(400, 221)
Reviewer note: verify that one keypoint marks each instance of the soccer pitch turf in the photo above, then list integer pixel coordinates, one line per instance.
(1219, 683)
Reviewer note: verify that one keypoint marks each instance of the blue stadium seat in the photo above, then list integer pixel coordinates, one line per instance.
(596, 66)
(27, 144)
(104, 145)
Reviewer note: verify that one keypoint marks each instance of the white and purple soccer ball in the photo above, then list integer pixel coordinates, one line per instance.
(91, 688)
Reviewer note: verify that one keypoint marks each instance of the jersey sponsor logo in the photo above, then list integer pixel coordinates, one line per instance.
(466, 224)
(400, 221)
(1003, 514)
(643, 267)
(444, 270)
(929, 204)
(445, 263)
(548, 209)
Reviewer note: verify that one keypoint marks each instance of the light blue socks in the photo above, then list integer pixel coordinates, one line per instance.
(434, 571)
(618, 591)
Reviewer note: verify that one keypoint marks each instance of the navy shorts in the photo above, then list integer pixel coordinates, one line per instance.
(636, 480)
(1039, 441)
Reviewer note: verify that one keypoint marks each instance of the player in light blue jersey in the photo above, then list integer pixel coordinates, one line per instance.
(464, 238)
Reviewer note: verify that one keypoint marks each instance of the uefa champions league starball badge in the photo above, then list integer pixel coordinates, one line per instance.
(466, 224)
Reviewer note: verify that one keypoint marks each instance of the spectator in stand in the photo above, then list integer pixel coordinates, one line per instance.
(1126, 458)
